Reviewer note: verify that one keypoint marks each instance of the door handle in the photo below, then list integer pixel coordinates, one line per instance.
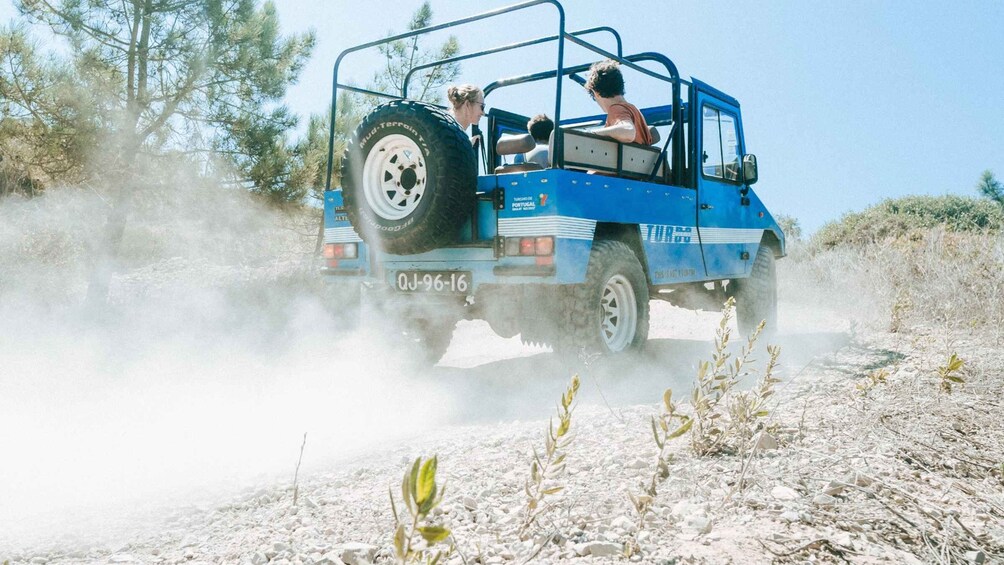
(706, 206)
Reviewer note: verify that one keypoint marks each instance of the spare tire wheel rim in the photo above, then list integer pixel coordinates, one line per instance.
(395, 177)
(619, 313)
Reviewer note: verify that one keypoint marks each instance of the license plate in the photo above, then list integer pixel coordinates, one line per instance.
(436, 282)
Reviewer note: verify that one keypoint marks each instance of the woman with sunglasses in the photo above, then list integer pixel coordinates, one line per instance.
(467, 106)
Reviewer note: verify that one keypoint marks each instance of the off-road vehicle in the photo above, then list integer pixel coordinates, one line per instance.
(567, 255)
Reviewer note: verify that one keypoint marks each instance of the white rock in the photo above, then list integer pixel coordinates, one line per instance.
(681, 509)
(330, 558)
(470, 503)
(357, 553)
(824, 499)
(121, 558)
(603, 549)
(789, 516)
(637, 464)
(624, 523)
(784, 493)
(258, 558)
(764, 442)
(834, 488)
(700, 523)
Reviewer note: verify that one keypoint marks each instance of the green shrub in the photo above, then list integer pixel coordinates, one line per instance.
(903, 217)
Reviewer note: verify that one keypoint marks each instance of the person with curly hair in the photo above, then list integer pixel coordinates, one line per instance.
(624, 121)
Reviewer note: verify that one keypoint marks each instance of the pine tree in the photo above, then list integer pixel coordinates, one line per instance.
(199, 77)
(990, 187)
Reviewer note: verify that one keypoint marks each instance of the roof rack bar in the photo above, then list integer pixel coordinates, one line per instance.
(674, 74)
(358, 90)
(500, 49)
(474, 18)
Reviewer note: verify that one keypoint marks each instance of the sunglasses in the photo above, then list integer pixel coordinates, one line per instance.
(482, 104)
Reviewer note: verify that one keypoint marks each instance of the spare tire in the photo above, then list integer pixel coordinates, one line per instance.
(409, 177)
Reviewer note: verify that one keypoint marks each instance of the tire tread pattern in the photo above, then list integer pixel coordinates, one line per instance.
(452, 178)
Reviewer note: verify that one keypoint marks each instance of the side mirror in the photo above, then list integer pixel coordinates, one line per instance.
(750, 175)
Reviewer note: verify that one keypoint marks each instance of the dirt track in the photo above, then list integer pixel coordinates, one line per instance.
(903, 474)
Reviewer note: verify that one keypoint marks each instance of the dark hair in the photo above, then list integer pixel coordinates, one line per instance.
(605, 79)
(540, 127)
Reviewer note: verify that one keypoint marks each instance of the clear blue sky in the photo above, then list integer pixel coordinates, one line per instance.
(844, 103)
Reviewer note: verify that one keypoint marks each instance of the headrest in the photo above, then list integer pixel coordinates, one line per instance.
(511, 144)
(655, 134)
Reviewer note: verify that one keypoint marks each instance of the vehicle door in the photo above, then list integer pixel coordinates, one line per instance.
(723, 214)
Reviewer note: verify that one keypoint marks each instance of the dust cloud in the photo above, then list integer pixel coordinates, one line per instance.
(222, 346)
(219, 349)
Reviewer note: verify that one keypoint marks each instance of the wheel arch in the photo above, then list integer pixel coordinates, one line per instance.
(628, 234)
(773, 242)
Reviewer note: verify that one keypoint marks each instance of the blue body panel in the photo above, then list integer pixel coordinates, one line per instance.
(570, 205)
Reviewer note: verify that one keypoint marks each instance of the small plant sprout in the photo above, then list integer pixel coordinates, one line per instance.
(544, 471)
(949, 373)
(668, 426)
(420, 495)
(872, 380)
(715, 379)
(747, 409)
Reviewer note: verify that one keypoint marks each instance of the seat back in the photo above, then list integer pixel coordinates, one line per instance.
(512, 144)
(587, 151)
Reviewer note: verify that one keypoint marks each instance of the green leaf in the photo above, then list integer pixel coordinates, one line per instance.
(762, 414)
(682, 429)
(399, 541)
(425, 486)
(563, 428)
(434, 534)
(552, 490)
(413, 480)
(655, 433)
(667, 400)
(393, 507)
(406, 491)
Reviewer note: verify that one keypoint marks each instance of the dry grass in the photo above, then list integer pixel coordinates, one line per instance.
(933, 278)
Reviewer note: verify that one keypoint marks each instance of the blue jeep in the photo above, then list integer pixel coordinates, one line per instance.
(560, 255)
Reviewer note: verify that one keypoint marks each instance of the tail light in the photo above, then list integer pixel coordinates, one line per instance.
(542, 246)
(341, 251)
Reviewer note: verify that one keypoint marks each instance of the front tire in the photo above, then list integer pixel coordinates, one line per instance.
(756, 296)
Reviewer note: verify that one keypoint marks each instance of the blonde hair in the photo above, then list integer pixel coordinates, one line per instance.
(458, 95)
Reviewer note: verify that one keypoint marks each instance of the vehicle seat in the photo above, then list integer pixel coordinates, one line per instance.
(589, 152)
(513, 144)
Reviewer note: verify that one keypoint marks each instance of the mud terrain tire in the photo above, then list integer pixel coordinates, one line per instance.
(609, 313)
(409, 177)
(756, 296)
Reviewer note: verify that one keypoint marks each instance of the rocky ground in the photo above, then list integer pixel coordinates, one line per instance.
(863, 459)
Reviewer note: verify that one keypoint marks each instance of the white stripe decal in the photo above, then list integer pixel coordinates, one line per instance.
(558, 226)
(341, 235)
(730, 235)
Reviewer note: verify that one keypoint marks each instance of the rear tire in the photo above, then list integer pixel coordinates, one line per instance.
(609, 313)
(428, 339)
(756, 296)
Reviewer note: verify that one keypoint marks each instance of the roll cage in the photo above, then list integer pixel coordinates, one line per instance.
(673, 115)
